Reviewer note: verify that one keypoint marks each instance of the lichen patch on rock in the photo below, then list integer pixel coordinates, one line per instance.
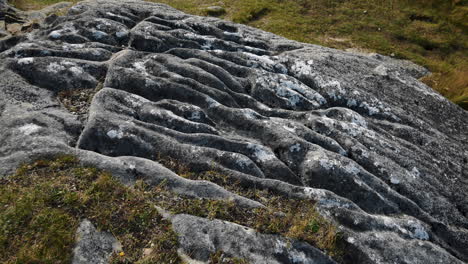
(125, 86)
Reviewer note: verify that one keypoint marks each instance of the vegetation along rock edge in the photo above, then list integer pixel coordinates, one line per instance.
(135, 133)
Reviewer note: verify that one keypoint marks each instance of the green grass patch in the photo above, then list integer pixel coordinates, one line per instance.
(294, 218)
(35, 4)
(44, 202)
(250, 10)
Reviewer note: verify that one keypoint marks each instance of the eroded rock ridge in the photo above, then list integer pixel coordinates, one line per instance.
(384, 156)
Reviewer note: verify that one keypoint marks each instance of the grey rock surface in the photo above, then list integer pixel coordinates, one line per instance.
(384, 156)
(93, 246)
(201, 237)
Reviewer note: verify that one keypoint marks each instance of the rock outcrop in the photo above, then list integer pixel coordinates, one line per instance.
(93, 246)
(384, 156)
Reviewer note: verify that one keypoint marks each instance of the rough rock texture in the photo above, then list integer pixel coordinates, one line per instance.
(385, 156)
(202, 237)
(93, 246)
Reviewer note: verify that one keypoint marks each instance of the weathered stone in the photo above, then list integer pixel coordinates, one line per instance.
(384, 156)
(93, 246)
(201, 238)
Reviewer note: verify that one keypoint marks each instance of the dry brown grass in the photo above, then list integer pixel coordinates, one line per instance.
(452, 84)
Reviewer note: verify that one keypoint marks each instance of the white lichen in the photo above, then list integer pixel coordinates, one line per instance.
(267, 63)
(115, 134)
(290, 128)
(351, 240)
(295, 148)
(381, 70)
(76, 71)
(97, 34)
(196, 115)
(261, 152)
(205, 42)
(211, 102)
(68, 47)
(326, 164)
(149, 83)
(54, 67)
(415, 173)
(394, 180)
(25, 61)
(29, 129)
(291, 90)
(418, 231)
(135, 101)
(313, 192)
(351, 102)
(55, 34)
(302, 67)
(121, 34)
(351, 169)
(140, 67)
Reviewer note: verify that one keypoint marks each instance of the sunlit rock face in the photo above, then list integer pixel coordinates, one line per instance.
(384, 156)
